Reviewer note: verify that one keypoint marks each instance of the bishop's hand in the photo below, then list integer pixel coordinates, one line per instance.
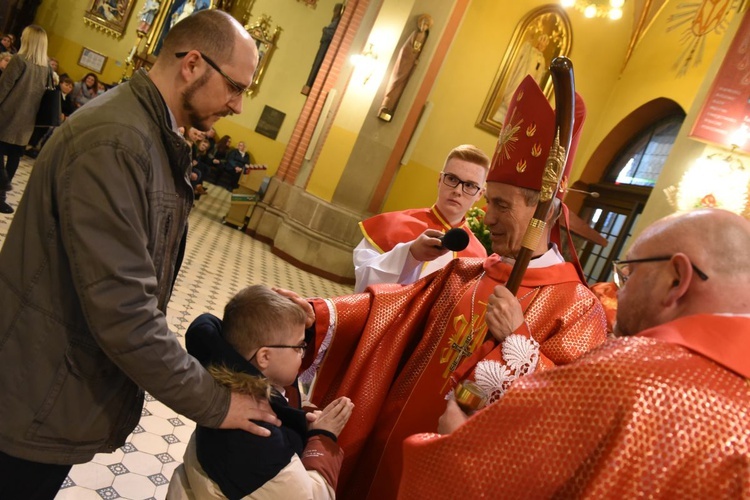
(305, 305)
(504, 314)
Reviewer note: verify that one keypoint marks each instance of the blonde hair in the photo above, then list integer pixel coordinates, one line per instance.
(34, 45)
(5, 55)
(472, 154)
(256, 315)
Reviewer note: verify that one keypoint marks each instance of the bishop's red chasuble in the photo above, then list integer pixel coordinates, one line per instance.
(662, 414)
(396, 351)
(385, 231)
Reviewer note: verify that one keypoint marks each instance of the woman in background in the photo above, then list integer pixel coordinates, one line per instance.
(21, 87)
(6, 44)
(4, 60)
(85, 90)
(220, 157)
(237, 160)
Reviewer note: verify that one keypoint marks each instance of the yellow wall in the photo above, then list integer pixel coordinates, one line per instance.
(598, 55)
(68, 35)
(357, 99)
(328, 169)
(467, 75)
(286, 72)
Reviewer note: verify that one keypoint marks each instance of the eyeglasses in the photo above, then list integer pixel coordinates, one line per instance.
(301, 348)
(467, 187)
(622, 268)
(239, 89)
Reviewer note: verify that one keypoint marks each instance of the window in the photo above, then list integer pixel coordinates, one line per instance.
(624, 190)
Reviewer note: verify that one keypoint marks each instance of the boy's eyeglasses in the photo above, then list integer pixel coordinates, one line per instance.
(301, 348)
(467, 187)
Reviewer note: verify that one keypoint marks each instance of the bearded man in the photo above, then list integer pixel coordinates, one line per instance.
(89, 262)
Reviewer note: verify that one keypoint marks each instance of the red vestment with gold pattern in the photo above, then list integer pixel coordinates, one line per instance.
(662, 414)
(394, 350)
(385, 231)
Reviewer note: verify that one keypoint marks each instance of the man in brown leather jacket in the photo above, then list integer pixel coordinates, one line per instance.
(88, 265)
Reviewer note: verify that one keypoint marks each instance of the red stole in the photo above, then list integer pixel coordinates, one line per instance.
(385, 231)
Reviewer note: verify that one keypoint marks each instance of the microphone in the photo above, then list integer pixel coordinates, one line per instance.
(455, 239)
(593, 194)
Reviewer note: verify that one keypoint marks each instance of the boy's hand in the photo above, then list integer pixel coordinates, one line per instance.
(312, 416)
(243, 409)
(305, 305)
(334, 417)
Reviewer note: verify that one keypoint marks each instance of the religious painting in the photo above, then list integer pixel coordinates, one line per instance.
(109, 16)
(542, 35)
(173, 12)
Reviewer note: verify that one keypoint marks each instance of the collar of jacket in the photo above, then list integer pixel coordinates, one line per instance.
(205, 342)
(149, 96)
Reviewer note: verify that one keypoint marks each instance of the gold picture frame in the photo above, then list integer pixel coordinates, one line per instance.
(109, 16)
(171, 12)
(543, 34)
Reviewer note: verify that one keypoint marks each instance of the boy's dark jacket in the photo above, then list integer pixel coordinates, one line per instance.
(237, 461)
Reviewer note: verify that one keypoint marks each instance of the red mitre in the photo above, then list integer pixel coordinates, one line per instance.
(526, 137)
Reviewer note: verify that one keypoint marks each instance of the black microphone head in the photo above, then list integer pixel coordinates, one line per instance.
(455, 239)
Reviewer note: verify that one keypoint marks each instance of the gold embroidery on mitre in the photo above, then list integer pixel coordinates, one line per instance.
(531, 130)
(506, 141)
(536, 150)
(519, 96)
(521, 166)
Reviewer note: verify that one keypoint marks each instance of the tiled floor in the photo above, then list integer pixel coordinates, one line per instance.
(218, 262)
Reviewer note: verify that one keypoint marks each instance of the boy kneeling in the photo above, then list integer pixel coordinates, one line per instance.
(258, 349)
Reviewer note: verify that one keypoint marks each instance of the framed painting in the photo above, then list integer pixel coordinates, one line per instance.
(92, 60)
(172, 12)
(109, 16)
(543, 34)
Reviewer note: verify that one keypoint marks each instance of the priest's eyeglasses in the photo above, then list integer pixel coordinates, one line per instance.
(300, 348)
(467, 187)
(622, 268)
(237, 88)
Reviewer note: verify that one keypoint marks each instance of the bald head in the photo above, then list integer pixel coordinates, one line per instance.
(661, 290)
(715, 239)
(212, 32)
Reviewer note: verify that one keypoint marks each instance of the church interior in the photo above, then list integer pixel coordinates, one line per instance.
(665, 85)
(332, 161)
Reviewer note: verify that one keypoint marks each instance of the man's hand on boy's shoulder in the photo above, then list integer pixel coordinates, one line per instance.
(333, 417)
(243, 409)
(305, 305)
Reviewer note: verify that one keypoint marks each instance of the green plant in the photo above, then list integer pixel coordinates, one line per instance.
(475, 219)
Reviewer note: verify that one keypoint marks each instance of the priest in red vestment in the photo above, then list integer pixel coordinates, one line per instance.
(663, 413)
(398, 351)
(401, 247)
